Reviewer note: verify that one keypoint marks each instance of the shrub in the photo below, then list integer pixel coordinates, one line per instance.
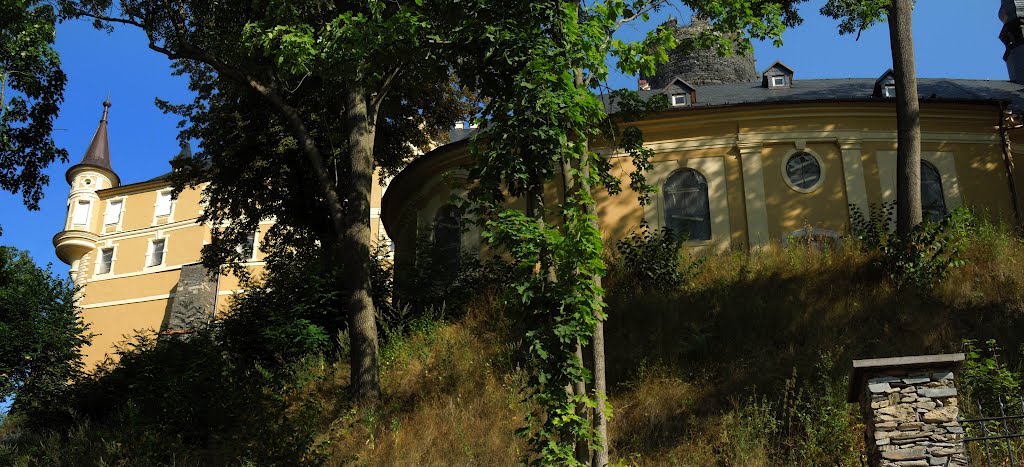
(651, 258)
(434, 284)
(986, 380)
(926, 255)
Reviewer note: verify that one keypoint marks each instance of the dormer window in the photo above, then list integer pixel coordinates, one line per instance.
(777, 76)
(885, 85)
(680, 93)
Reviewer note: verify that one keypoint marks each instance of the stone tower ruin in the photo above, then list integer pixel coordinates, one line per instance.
(699, 66)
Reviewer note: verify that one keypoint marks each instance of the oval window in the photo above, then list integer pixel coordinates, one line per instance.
(803, 171)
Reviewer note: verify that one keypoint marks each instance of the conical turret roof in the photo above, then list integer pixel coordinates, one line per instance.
(98, 154)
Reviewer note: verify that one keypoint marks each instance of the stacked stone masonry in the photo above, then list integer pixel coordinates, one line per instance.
(912, 418)
(699, 66)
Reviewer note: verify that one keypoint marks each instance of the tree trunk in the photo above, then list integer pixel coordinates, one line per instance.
(600, 458)
(600, 380)
(580, 388)
(583, 450)
(355, 241)
(908, 119)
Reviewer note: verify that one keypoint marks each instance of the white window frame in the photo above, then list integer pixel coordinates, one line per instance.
(156, 206)
(150, 251)
(99, 261)
(680, 100)
(713, 170)
(664, 205)
(775, 81)
(87, 212)
(889, 90)
(254, 244)
(108, 211)
(821, 165)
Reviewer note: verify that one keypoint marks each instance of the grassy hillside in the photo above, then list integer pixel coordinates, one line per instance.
(741, 363)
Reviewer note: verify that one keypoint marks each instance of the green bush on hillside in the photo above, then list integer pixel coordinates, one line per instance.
(652, 258)
(925, 256)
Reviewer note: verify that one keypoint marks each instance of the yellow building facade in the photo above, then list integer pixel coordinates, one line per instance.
(741, 165)
(135, 252)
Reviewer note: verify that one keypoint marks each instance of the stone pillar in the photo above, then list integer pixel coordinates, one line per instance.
(910, 410)
(753, 194)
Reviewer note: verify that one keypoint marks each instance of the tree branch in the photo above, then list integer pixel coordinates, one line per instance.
(383, 91)
(109, 19)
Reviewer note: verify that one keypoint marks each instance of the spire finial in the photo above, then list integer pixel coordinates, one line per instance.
(98, 154)
(106, 108)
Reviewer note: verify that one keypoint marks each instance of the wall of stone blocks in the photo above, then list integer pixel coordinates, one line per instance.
(911, 418)
(701, 66)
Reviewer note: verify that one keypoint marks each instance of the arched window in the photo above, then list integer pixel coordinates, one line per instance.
(687, 209)
(448, 235)
(933, 204)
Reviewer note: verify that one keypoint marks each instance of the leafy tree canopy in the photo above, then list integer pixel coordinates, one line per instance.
(329, 80)
(31, 90)
(41, 335)
(856, 15)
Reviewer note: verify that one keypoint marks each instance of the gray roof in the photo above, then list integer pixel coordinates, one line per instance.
(850, 89)
(459, 134)
(821, 90)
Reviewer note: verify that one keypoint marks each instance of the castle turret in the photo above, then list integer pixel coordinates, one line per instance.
(77, 241)
(1011, 13)
(699, 66)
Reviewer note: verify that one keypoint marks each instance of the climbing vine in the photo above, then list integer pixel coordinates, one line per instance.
(540, 72)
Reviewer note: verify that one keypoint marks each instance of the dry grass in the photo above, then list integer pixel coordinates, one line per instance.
(445, 403)
(698, 374)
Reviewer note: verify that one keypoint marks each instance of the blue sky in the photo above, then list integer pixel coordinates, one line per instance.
(951, 38)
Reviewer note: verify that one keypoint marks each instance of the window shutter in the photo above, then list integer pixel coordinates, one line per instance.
(82, 213)
(113, 213)
(163, 203)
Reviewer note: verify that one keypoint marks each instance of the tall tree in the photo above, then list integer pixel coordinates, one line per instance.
(31, 90)
(540, 66)
(41, 339)
(856, 16)
(325, 71)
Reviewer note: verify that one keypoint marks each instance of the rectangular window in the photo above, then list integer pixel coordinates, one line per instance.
(889, 90)
(113, 214)
(82, 213)
(156, 252)
(163, 203)
(778, 81)
(106, 261)
(248, 248)
(679, 100)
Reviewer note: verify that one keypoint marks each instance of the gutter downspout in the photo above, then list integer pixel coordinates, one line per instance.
(1006, 116)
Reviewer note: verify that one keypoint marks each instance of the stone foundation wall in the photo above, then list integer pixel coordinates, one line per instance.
(911, 417)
